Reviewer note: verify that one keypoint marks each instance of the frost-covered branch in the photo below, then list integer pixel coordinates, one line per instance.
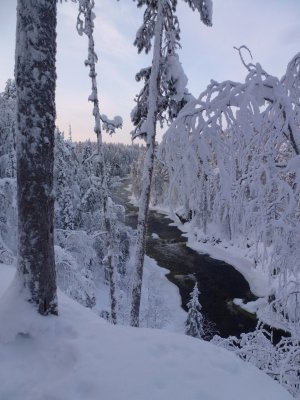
(281, 361)
(85, 25)
(232, 158)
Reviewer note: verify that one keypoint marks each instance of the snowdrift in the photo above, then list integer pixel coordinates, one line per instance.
(80, 356)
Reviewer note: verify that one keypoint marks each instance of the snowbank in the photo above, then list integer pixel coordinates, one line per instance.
(80, 356)
(161, 301)
(234, 256)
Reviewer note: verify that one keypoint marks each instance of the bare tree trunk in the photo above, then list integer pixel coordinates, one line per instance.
(148, 169)
(35, 80)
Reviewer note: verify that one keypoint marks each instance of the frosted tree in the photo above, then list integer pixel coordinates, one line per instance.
(11, 167)
(234, 153)
(35, 81)
(85, 25)
(66, 185)
(279, 360)
(7, 130)
(195, 320)
(67, 213)
(160, 100)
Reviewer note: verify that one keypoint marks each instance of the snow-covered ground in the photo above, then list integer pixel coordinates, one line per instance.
(80, 356)
(161, 301)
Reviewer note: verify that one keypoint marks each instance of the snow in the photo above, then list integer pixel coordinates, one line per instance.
(155, 235)
(174, 72)
(252, 306)
(80, 356)
(161, 301)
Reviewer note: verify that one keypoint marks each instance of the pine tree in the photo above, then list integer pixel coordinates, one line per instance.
(194, 322)
(35, 81)
(160, 100)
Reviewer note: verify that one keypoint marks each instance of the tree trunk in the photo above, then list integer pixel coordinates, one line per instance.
(148, 169)
(35, 76)
(101, 170)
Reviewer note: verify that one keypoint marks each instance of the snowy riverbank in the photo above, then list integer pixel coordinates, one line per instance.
(242, 259)
(224, 251)
(80, 356)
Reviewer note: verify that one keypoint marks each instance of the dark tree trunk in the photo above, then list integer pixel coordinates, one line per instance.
(35, 76)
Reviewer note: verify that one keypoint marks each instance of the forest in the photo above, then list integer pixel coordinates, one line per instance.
(158, 269)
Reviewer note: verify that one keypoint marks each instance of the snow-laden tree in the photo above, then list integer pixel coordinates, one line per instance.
(281, 361)
(162, 96)
(7, 130)
(8, 221)
(66, 183)
(233, 163)
(35, 77)
(77, 265)
(64, 212)
(195, 321)
(85, 25)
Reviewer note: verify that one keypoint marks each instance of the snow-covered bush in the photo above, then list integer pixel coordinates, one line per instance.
(281, 361)
(74, 279)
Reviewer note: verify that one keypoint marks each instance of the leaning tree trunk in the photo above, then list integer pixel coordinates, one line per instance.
(35, 80)
(148, 169)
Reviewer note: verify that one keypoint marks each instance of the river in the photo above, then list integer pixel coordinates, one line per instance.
(218, 282)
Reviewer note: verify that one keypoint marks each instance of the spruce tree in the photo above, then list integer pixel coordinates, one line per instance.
(194, 322)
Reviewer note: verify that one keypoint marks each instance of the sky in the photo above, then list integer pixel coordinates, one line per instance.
(270, 28)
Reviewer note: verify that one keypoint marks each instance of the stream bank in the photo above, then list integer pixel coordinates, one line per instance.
(219, 282)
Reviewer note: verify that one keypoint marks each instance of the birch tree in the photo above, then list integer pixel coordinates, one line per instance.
(35, 81)
(160, 100)
(245, 137)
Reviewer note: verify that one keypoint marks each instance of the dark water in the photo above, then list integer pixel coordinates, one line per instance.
(219, 283)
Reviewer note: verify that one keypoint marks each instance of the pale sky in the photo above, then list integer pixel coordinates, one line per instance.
(270, 28)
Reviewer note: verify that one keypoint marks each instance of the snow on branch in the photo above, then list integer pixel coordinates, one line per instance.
(205, 9)
(232, 158)
(110, 125)
(85, 25)
(239, 49)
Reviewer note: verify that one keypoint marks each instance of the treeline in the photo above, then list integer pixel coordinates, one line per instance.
(80, 250)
